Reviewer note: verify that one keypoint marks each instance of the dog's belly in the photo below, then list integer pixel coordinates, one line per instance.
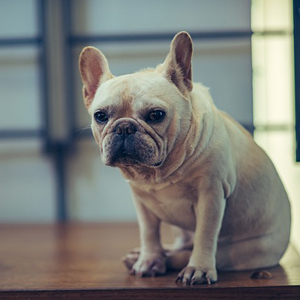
(173, 206)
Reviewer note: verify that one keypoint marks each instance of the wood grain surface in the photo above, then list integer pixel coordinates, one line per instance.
(83, 261)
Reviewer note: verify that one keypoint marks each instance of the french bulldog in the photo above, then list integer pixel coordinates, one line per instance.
(188, 164)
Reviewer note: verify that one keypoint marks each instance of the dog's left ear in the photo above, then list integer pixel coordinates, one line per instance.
(94, 71)
(178, 64)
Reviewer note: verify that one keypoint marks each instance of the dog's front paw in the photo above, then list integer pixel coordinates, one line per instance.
(197, 275)
(149, 265)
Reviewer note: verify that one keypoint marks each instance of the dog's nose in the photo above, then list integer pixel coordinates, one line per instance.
(125, 129)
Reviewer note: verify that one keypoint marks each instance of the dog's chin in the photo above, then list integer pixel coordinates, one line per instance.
(126, 160)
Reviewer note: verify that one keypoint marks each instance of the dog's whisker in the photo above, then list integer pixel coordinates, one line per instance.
(81, 130)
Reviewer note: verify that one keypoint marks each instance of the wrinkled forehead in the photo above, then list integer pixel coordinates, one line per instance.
(130, 90)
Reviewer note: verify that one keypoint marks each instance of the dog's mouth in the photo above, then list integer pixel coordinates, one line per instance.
(124, 157)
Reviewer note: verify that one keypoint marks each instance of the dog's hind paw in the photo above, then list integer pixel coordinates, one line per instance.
(131, 258)
(149, 265)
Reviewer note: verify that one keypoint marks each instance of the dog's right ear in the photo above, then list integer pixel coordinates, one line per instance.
(94, 71)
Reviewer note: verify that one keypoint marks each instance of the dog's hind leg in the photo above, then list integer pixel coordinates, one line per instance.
(253, 253)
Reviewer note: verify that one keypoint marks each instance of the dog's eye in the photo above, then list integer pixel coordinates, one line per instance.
(155, 116)
(100, 117)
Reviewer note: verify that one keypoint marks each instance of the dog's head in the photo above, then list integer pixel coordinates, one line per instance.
(138, 119)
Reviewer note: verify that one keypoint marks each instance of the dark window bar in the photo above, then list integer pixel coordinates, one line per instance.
(20, 41)
(21, 133)
(43, 78)
(144, 37)
(297, 74)
(69, 68)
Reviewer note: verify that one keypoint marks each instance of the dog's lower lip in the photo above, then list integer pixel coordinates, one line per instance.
(124, 154)
(124, 158)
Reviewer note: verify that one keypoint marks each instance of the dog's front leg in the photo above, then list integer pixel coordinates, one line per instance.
(152, 258)
(202, 264)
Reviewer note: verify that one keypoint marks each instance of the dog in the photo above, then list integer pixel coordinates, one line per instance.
(188, 164)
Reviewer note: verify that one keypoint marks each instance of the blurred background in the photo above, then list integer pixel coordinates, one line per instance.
(50, 168)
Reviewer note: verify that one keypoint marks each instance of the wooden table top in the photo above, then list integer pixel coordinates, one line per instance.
(83, 261)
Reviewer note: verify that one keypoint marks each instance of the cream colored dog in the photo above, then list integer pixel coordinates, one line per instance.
(188, 164)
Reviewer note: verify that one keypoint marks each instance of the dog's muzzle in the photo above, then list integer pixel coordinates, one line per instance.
(128, 143)
(125, 142)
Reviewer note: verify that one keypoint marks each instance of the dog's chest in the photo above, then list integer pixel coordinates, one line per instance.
(173, 204)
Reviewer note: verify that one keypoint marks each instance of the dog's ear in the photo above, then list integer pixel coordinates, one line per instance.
(178, 64)
(94, 71)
